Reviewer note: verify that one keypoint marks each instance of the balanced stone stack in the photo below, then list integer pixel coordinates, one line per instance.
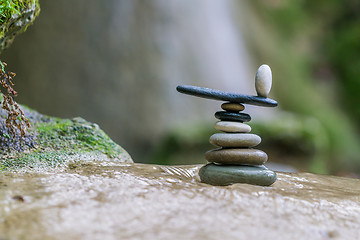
(236, 161)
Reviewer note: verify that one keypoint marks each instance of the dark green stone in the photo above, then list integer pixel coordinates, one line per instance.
(231, 116)
(222, 175)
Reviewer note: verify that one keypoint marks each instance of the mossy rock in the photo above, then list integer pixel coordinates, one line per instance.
(15, 17)
(53, 142)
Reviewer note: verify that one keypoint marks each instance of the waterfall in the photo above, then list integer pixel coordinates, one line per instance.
(118, 63)
(203, 46)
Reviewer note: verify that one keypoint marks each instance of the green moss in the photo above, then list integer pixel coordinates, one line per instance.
(36, 159)
(8, 8)
(76, 135)
(62, 140)
(15, 17)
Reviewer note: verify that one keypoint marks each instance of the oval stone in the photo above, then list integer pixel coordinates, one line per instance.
(232, 127)
(237, 156)
(263, 80)
(222, 175)
(232, 107)
(230, 116)
(235, 140)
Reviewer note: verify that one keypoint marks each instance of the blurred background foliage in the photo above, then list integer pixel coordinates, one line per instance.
(318, 51)
(118, 63)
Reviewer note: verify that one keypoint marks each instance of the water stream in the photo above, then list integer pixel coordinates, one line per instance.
(135, 201)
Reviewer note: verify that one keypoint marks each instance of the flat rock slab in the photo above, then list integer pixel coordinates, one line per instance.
(226, 96)
(136, 201)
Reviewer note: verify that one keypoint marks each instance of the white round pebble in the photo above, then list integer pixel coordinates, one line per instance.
(232, 127)
(263, 80)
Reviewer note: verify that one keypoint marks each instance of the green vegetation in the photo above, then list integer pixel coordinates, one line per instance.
(15, 17)
(51, 142)
(59, 140)
(299, 141)
(16, 122)
(8, 8)
(291, 139)
(292, 37)
(331, 31)
(313, 50)
(76, 134)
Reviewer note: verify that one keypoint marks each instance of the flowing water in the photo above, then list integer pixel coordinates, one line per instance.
(135, 201)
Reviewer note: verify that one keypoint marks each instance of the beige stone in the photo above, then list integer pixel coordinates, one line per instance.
(232, 127)
(237, 156)
(263, 80)
(232, 107)
(235, 140)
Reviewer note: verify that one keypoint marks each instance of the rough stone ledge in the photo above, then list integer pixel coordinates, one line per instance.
(136, 201)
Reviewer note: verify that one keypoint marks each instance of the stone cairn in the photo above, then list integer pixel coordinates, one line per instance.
(236, 161)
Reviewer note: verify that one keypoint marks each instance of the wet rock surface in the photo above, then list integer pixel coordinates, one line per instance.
(53, 142)
(109, 200)
(8, 142)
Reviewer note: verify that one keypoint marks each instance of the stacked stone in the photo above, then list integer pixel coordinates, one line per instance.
(236, 152)
(236, 161)
(236, 142)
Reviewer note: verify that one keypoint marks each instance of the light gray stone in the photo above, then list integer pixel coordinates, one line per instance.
(235, 140)
(263, 80)
(237, 156)
(232, 127)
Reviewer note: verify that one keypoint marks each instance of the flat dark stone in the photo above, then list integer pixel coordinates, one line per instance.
(231, 116)
(223, 175)
(226, 96)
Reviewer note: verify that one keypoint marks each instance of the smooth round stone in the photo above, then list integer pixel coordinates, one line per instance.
(222, 175)
(230, 116)
(263, 80)
(237, 156)
(232, 127)
(233, 107)
(235, 140)
(226, 96)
